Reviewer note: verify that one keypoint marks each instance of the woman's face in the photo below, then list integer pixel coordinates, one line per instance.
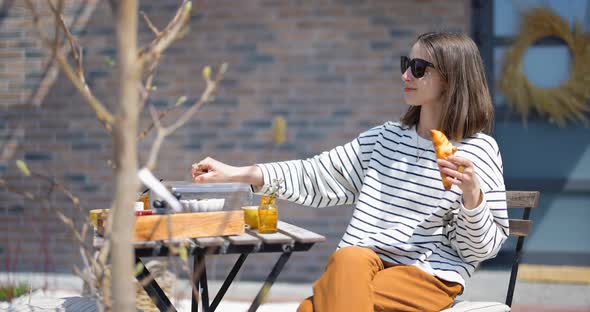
(426, 90)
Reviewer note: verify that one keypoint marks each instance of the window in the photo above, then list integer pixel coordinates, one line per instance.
(495, 25)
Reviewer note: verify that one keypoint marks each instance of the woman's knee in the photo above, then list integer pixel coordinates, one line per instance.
(306, 305)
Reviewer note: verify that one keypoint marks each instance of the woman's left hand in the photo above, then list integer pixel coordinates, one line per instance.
(461, 172)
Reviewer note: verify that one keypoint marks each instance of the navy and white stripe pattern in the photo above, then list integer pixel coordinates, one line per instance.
(402, 210)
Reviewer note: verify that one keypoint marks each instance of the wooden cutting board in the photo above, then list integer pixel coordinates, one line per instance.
(186, 225)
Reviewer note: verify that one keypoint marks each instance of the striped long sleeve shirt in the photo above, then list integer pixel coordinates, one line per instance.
(402, 210)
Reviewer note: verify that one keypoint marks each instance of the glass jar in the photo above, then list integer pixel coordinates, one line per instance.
(144, 198)
(268, 214)
(251, 216)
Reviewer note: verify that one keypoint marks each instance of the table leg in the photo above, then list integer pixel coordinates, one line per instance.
(153, 289)
(204, 287)
(276, 270)
(200, 280)
(228, 280)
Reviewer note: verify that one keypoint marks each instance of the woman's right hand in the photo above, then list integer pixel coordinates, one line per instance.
(210, 170)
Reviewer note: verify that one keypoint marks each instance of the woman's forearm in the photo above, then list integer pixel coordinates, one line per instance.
(250, 174)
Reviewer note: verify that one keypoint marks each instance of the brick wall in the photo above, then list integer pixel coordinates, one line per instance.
(24, 62)
(329, 67)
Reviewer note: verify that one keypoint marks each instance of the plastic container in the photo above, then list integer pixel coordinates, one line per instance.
(209, 197)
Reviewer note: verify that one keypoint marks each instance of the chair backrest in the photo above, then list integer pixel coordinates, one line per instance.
(520, 228)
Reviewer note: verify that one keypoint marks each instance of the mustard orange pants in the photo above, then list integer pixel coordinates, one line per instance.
(356, 280)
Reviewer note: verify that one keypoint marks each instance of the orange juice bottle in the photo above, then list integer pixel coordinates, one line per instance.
(268, 214)
(144, 198)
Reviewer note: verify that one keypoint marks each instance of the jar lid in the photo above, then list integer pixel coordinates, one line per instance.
(138, 206)
(191, 187)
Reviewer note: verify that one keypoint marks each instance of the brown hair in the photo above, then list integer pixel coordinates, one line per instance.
(467, 104)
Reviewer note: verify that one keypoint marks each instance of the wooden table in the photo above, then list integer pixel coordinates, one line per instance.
(287, 240)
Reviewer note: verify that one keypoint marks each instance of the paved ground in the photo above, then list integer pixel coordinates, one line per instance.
(485, 286)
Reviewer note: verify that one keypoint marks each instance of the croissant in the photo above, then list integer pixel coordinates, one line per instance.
(443, 149)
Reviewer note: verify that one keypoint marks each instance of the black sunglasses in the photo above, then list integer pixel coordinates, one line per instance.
(417, 65)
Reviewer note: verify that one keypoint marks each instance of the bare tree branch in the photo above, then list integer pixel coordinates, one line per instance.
(150, 25)
(80, 236)
(151, 54)
(157, 46)
(56, 185)
(56, 40)
(85, 276)
(25, 194)
(146, 89)
(9, 145)
(210, 89)
(160, 136)
(124, 128)
(161, 116)
(155, 118)
(163, 132)
(53, 68)
(166, 36)
(94, 268)
(75, 47)
(37, 23)
(102, 114)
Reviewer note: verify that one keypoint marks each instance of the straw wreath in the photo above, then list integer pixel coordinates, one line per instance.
(566, 102)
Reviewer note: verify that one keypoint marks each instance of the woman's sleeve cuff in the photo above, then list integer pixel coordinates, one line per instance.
(267, 176)
(475, 211)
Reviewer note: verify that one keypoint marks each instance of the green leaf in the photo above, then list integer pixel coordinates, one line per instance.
(109, 61)
(207, 72)
(188, 6)
(138, 268)
(183, 253)
(279, 130)
(223, 68)
(180, 100)
(22, 166)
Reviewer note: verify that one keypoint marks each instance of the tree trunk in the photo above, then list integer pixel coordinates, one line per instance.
(125, 135)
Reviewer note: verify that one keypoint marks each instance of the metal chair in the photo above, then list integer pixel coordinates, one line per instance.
(520, 228)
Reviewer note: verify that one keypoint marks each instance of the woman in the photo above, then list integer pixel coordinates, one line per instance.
(410, 245)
